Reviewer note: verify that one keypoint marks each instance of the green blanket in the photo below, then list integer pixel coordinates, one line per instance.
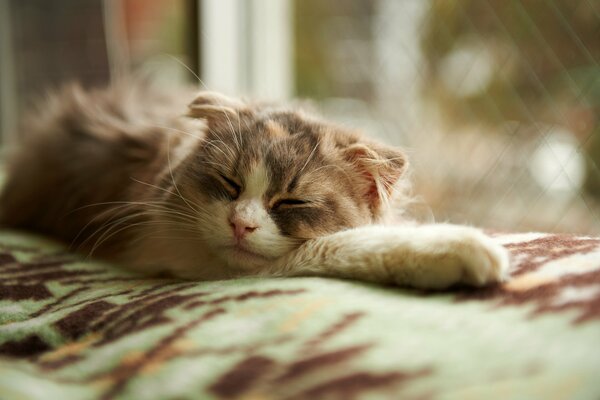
(76, 329)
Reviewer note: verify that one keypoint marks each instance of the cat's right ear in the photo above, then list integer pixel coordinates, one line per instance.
(214, 107)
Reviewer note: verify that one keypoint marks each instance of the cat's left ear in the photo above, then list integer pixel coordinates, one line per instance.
(213, 106)
(380, 166)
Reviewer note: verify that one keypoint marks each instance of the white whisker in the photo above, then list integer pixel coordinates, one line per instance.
(173, 179)
(200, 81)
(153, 186)
(310, 156)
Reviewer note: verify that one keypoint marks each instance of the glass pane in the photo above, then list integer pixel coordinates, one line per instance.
(497, 102)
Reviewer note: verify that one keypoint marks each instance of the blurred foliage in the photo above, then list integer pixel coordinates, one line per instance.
(310, 58)
(321, 27)
(545, 65)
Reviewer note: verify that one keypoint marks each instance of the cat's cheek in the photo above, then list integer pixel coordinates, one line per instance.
(269, 241)
(212, 222)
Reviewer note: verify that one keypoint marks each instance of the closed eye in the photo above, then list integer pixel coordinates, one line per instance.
(233, 187)
(289, 203)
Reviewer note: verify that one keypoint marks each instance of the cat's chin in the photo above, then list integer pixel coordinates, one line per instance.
(245, 258)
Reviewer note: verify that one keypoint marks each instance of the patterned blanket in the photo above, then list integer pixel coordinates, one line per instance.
(76, 329)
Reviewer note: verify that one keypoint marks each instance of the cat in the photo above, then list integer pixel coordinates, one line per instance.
(204, 186)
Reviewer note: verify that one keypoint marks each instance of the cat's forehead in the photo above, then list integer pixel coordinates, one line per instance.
(290, 148)
(293, 149)
(280, 137)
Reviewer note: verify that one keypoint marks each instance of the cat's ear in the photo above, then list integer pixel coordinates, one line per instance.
(381, 167)
(213, 106)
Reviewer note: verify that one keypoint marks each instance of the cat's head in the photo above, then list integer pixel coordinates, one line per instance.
(261, 181)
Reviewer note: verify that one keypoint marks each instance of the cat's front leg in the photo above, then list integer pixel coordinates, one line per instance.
(426, 256)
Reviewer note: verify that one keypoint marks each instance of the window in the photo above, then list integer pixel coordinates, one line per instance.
(498, 103)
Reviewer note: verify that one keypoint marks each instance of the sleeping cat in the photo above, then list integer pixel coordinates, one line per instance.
(207, 187)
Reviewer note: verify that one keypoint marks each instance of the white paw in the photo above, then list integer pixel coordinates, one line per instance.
(445, 255)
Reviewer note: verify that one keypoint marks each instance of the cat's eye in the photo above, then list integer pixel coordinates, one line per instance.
(289, 203)
(234, 189)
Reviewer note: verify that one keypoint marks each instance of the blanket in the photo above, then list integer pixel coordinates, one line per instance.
(72, 328)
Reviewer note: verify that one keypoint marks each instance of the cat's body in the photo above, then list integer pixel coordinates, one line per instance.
(230, 189)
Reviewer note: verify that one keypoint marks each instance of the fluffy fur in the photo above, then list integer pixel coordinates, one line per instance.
(227, 188)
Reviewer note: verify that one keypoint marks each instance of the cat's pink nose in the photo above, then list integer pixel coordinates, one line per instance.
(241, 228)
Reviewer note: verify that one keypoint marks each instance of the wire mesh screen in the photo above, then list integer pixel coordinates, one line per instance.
(497, 102)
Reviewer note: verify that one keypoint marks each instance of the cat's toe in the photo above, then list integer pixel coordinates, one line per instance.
(485, 261)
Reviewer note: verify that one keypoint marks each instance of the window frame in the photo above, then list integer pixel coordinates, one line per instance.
(246, 47)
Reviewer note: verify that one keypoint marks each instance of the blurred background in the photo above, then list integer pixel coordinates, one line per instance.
(497, 102)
